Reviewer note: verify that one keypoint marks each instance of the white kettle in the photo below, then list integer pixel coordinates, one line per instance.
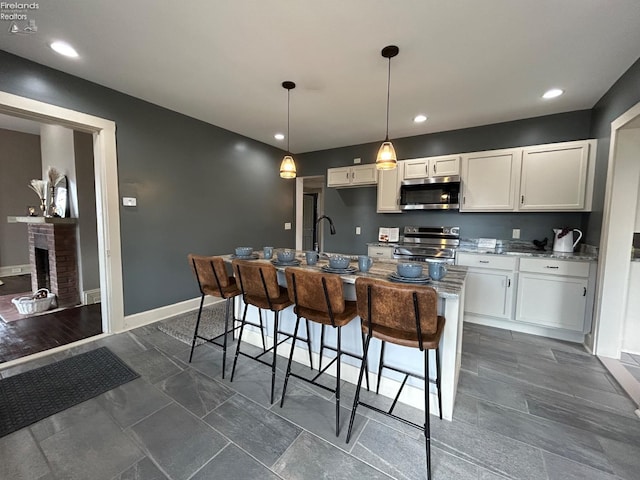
(563, 239)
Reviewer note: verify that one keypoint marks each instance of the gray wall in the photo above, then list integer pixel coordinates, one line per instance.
(200, 188)
(19, 163)
(356, 207)
(623, 95)
(87, 226)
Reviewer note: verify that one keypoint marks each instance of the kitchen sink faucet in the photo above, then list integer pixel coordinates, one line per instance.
(315, 231)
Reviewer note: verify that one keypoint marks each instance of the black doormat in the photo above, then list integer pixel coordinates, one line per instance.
(31, 396)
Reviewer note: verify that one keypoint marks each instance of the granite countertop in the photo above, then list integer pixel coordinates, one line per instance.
(382, 244)
(449, 287)
(578, 256)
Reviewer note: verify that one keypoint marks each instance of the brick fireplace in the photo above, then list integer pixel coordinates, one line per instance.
(53, 258)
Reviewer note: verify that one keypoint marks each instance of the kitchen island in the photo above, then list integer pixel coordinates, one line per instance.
(451, 300)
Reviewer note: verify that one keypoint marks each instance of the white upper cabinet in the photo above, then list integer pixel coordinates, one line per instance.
(356, 176)
(443, 166)
(388, 200)
(490, 180)
(557, 177)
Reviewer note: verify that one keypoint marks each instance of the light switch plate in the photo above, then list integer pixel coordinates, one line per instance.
(516, 233)
(129, 201)
(287, 226)
(357, 230)
(357, 160)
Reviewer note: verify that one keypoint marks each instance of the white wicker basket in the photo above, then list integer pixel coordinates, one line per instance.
(31, 305)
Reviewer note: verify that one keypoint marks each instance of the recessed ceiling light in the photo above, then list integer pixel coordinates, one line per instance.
(420, 118)
(279, 136)
(553, 93)
(64, 48)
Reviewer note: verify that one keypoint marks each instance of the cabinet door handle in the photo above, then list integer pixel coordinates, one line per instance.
(508, 282)
(435, 170)
(552, 266)
(483, 261)
(347, 175)
(353, 174)
(522, 200)
(464, 200)
(584, 291)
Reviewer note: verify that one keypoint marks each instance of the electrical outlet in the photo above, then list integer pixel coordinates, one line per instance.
(287, 226)
(357, 160)
(357, 230)
(516, 233)
(129, 201)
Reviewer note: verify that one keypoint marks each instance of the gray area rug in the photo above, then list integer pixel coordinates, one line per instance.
(182, 326)
(29, 397)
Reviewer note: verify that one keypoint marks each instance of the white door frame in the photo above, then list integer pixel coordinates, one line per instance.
(106, 179)
(619, 213)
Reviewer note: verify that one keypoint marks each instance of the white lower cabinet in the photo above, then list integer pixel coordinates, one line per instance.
(490, 284)
(552, 301)
(539, 295)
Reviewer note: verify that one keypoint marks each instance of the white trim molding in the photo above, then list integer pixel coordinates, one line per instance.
(150, 316)
(106, 180)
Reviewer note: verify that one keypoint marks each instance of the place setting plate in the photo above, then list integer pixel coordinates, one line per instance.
(394, 277)
(253, 256)
(293, 263)
(328, 269)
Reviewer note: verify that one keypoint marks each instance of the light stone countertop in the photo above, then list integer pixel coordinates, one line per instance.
(577, 256)
(449, 287)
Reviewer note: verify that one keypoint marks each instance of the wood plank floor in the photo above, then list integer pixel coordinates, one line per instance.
(36, 334)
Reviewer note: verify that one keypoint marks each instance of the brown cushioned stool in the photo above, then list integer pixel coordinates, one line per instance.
(258, 282)
(319, 297)
(405, 315)
(213, 279)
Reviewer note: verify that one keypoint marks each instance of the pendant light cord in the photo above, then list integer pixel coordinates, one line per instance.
(388, 89)
(288, 102)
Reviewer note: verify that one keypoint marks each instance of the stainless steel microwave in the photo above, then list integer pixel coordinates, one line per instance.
(433, 193)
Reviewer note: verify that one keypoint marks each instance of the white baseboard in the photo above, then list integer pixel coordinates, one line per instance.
(89, 297)
(558, 333)
(627, 381)
(13, 270)
(150, 316)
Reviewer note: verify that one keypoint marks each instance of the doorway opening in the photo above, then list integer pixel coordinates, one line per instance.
(102, 140)
(309, 206)
(616, 321)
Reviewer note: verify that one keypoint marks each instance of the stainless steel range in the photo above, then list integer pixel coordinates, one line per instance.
(424, 243)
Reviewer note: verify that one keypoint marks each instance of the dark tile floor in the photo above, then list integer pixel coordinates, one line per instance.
(527, 408)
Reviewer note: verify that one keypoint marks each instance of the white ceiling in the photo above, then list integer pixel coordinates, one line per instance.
(463, 62)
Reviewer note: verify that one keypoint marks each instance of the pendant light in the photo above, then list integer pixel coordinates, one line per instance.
(386, 159)
(288, 166)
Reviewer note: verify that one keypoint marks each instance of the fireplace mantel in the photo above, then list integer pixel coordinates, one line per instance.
(40, 220)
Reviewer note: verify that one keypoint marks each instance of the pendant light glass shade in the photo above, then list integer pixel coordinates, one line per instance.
(288, 166)
(386, 159)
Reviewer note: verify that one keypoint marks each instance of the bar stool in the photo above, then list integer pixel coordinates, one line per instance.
(213, 279)
(259, 286)
(404, 315)
(319, 297)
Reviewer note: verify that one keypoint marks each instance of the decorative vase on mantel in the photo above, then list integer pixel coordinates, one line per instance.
(51, 211)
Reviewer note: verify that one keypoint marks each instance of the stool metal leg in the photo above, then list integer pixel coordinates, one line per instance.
(286, 377)
(235, 359)
(380, 365)
(275, 354)
(264, 344)
(356, 399)
(427, 414)
(308, 343)
(224, 342)
(321, 348)
(438, 382)
(195, 333)
(338, 353)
